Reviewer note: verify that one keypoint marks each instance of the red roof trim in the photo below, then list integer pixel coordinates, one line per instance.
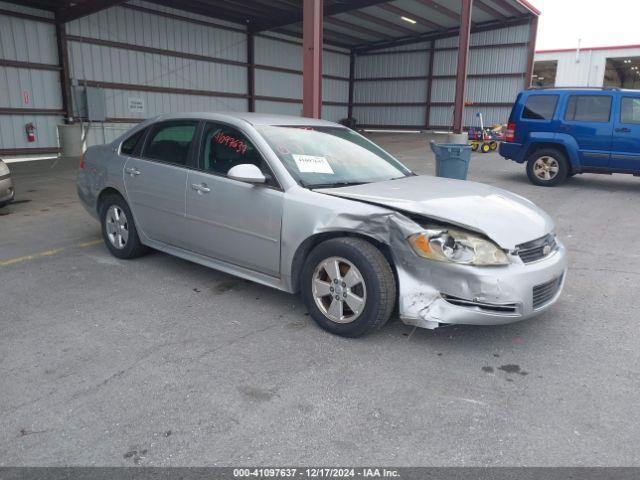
(529, 7)
(614, 47)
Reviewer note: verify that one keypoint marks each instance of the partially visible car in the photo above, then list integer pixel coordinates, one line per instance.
(560, 132)
(311, 206)
(7, 192)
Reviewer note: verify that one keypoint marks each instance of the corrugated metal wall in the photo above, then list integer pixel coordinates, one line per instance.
(29, 80)
(497, 66)
(150, 64)
(150, 59)
(110, 49)
(285, 80)
(374, 96)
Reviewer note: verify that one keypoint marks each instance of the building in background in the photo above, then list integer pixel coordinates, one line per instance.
(617, 66)
(387, 63)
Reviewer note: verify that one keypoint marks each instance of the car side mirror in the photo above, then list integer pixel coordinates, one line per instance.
(247, 172)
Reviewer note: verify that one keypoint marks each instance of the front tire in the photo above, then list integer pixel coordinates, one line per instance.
(118, 229)
(547, 167)
(348, 286)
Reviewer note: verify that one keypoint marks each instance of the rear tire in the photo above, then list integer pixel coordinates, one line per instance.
(486, 148)
(118, 229)
(547, 167)
(348, 286)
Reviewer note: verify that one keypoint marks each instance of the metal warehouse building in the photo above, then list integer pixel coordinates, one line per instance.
(106, 64)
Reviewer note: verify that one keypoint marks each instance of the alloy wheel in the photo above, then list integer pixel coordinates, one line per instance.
(339, 290)
(117, 227)
(546, 168)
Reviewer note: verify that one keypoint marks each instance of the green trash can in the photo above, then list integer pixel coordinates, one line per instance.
(452, 160)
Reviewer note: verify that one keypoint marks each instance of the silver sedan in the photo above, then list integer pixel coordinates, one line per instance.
(7, 193)
(312, 207)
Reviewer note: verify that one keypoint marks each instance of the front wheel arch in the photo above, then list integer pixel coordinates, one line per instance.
(310, 243)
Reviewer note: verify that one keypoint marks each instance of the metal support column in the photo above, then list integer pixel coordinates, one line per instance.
(63, 61)
(533, 33)
(463, 64)
(352, 66)
(251, 73)
(312, 58)
(427, 114)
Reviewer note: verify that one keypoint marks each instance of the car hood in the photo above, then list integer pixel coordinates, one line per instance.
(506, 218)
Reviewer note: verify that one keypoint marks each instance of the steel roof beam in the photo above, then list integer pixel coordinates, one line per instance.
(404, 13)
(380, 21)
(356, 28)
(85, 8)
(335, 9)
(508, 7)
(441, 9)
(489, 9)
(210, 11)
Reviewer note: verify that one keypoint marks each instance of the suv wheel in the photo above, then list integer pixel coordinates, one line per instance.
(348, 287)
(118, 230)
(547, 167)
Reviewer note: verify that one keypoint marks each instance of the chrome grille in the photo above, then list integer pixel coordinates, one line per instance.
(537, 249)
(544, 293)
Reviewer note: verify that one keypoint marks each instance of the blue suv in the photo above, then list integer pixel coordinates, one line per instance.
(560, 132)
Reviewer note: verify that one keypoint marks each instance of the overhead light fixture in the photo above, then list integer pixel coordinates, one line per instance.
(409, 20)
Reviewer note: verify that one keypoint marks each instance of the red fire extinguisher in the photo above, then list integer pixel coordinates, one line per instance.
(31, 132)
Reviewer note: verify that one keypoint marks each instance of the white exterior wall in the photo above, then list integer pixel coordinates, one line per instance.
(585, 68)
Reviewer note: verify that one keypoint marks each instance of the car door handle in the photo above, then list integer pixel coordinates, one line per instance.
(623, 130)
(564, 128)
(200, 188)
(133, 171)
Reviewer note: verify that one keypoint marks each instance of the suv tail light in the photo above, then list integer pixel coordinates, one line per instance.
(81, 165)
(510, 133)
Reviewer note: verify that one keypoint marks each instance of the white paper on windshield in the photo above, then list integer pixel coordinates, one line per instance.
(312, 164)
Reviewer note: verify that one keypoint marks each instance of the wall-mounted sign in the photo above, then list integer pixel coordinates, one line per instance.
(135, 104)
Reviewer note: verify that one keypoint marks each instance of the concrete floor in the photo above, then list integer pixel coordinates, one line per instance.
(162, 362)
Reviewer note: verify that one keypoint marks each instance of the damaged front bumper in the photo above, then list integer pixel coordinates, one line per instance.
(437, 293)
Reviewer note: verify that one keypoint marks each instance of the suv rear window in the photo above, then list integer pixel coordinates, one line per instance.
(540, 107)
(588, 108)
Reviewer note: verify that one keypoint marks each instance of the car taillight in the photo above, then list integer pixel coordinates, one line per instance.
(81, 165)
(510, 133)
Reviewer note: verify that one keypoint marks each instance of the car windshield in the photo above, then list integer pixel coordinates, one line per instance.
(331, 156)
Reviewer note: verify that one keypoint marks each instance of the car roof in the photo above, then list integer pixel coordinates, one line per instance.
(578, 89)
(250, 118)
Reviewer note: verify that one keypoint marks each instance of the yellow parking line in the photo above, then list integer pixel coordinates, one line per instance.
(90, 244)
(46, 253)
(35, 256)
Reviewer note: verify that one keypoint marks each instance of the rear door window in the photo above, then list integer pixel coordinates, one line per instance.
(170, 142)
(588, 108)
(630, 110)
(132, 145)
(540, 107)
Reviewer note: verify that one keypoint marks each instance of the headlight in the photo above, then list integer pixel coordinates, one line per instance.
(457, 246)
(4, 170)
